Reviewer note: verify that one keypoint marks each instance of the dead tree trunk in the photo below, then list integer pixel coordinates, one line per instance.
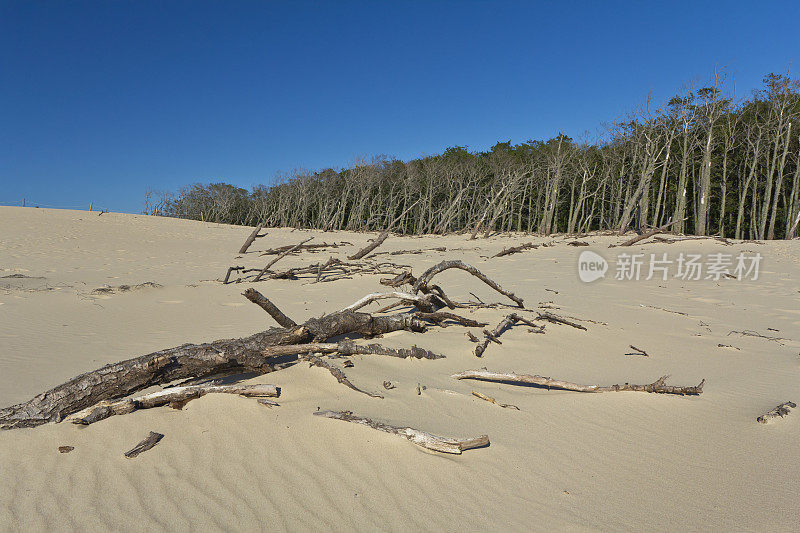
(190, 361)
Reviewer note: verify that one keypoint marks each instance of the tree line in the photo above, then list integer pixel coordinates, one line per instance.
(716, 164)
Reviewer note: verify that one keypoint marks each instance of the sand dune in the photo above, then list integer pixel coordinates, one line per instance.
(565, 460)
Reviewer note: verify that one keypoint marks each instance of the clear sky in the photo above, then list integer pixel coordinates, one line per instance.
(102, 100)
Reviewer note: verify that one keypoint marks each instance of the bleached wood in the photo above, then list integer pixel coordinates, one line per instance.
(658, 386)
(778, 412)
(418, 437)
(170, 395)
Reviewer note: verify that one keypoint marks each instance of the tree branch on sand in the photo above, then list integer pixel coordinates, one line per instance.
(420, 438)
(659, 386)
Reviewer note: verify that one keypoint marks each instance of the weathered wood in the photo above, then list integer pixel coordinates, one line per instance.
(421, 302)
(250, 239)
(172, 395)
(337, 373)
(350, 348)
(492, 400)
(368, 248)
(151, 440)
(420, 438)
(281, 256)
(425, 278)
(263, 302)
(507, 322)
(648, 234)
(122, 379)
(516, 249)
(439, 317)
(659, 386)
(551, 317)
(778, 412)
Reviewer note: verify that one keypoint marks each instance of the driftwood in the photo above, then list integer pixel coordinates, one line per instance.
(471, 336)
(412, 252)
(368, 248)
(306, 247)
(262, 301)
(492, 400)
(658, 386)
(647, 235)
(175, 396)
(550, 317)
(422, 303)
(638, 351)
(424, 280)
(65, 449)
(420, 438)
(122, 379)
(345, 348)
(439, 317)
(281, 256)
(516, 249)
(151, 440)
(507, 322)
(253, 236)
(268, 403)
(337, 373)
(778, 412)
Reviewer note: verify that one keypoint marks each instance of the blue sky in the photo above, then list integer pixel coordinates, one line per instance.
(100, 101)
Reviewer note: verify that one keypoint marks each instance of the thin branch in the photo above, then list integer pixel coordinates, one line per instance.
(426, 277)
(281, 256)
(658, 386)
(337, 373)
(172, 395)
(420, 438)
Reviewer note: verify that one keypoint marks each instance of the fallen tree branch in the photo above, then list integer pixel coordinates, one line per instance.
(507, 322)
(492, 400)
(658, 386)
(420, 438)
(516, 249)
(778, 412)
(439, 317)
(122, 379)
(173, 395)
(425, 278)
(647, 235)
(281, 256)
(551, 317)
(151, 440)
(422, 303)
(345, 348)
(262, 301)
(337, 373)
(368, 248)
(251, 238)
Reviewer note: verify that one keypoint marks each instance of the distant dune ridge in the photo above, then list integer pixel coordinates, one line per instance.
(79, 291)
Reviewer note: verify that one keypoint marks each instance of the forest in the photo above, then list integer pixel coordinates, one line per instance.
(706, 161)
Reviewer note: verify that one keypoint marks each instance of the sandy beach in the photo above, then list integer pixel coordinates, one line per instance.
(565, 460)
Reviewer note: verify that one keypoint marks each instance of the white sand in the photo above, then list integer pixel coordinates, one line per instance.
(614, 461)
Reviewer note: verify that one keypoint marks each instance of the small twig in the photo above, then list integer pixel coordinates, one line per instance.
(637, 351)
(492, 400)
